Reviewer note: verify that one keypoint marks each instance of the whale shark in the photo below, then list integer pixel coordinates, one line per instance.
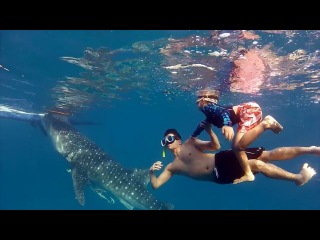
(90, 165)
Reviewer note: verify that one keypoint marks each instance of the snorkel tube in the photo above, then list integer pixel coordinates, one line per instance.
(163, 152)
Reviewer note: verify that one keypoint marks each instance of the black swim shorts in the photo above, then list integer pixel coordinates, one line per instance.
(227, 166)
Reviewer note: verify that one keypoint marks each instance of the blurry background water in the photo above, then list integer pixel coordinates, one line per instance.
(135, 85)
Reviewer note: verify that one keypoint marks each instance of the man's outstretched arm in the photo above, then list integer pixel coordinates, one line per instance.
(157, 182)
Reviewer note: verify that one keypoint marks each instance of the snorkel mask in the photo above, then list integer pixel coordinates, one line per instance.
(165, 141)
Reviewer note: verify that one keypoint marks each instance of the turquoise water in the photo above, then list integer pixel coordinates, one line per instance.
(134, 105)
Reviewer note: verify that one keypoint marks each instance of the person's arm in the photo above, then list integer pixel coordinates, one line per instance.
(198, 130)
(157, 182)
(218, 112)
(225, 120)
(212, 145)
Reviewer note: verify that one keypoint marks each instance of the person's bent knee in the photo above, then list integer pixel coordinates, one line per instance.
(256, 165)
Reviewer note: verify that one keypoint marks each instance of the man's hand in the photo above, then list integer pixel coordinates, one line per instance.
(156, 166)
(228, 132)
(207, 126)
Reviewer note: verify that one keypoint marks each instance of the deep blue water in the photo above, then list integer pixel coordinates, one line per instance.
(34, 176)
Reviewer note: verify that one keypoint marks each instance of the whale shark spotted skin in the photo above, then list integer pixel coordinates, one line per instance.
(91, 166)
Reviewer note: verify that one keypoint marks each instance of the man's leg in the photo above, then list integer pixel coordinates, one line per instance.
(272, 171)
(286, 153)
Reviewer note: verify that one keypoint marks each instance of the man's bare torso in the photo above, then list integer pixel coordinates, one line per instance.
(193, 163)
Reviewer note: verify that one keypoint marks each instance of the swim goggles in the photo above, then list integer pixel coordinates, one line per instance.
(167, 140)
(207, 98)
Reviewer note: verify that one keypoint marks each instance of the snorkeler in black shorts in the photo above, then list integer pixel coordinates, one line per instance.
(199, 160)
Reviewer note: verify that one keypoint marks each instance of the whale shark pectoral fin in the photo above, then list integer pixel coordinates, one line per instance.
(127, 205)
(80, 179)
(102, 193)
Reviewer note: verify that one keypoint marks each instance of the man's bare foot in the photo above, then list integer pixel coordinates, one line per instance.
(244, 178)
(271, 123)
(306, 174)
